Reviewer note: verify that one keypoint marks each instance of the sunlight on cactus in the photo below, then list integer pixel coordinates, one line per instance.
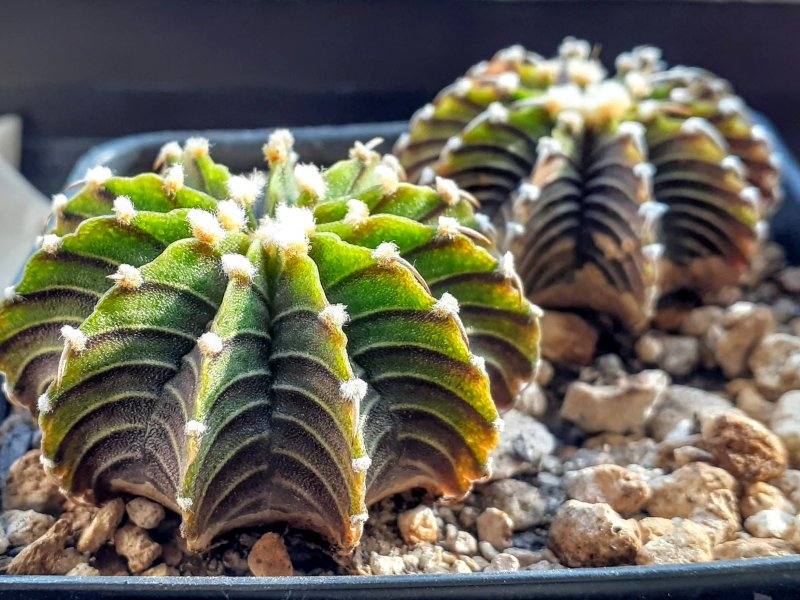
(253, 349)
(608, 190)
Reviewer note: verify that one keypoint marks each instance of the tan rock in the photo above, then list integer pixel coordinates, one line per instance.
(386, 565)
(699, 320)
(47, 555)
(487, 550)
(83, 569)
(503, 563)
(770, 523)
(654, 527)
(752, 548)
(269, 558)
(418, 525)
(28, 487)
(793, 534)
(623, 490)
(743, 327)
(593, 535)
(680, 356)
(161, 570)
(145, 513)
(521, 501)
(532, 400)
(567, 338)
(523, 444)
(616, 408)
(719, 516)
(785, 423)
(775, 363)
(649, 348)
(679, 406)
(460, 542)
(789, 484)
(102, 527)
(135, 545)
(743, 446)
(763, 496)
(750, 401)
(24, 527)
(495, 527)
(681, 492)
(459, 566)
(544, 372)
(686, 543)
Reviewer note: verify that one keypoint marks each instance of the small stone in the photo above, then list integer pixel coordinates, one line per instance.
(699, 320)
(681, 492)
(83, 569)
(46, 555)
(785, 423)
(567, 338)
(616, 408)
(503, 563)
(524, 442)
(4, 543)
(625, 491)
(145, 513)
(649, 348)
(487, 550)
(173, 555)
(544, 372)
(109, 563)
(102, 527)
(789, 278)
(789, 484)
(135, 545)
(161, 570)
(742, 328)
(269, 558)
(775, 363)
(24, 527)
(521, 501)
(29, 488)
(233, 560)
(528, 557)
(531, 400)
(459, 566)
(473, 564)
(793, 534)
(468, 516)
(680, 356)
(418, 525)
(719, 515)
(754, 405)
(686, 543)
(679, 406)
(770, 523)
(653, 527)
(752, 548)
(495, 527)
(464, 543)
(763, 496)
(743, 446)
(593, 535)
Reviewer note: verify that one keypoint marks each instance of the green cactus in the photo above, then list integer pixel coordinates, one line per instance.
(609, 191)
(345, 347)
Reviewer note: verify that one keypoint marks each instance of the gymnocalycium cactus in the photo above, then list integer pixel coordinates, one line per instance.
(609, 191)
(294, 369)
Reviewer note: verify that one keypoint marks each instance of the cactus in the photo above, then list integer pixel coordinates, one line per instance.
(295, 369)
(608, 190)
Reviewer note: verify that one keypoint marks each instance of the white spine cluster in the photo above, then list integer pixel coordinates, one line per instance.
(446, 306)
(334, 315)
(361, 464)
(645, 173)
(238, 267)
(195, 429)
(547, 147)
(127, 277)
(386, 254)
(387, 178)
(572, 47)
(10, 295)
(357, 213)
(173, 179)
(496, 113)
(448, 190)
(210, 344)
(448, 228)
(653, 252)
(74, 339)
(353, 390)
(124, 210)
(278, 148)
(97, 177)
(197, 146)
(309, 180)
(44, 404)
(51, 243)
(205, 226)
(366, 152)
(231, 216)
(452, 144)
(59, 201)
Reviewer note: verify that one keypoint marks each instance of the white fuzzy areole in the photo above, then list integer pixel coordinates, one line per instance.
(636, 133)
(169, 151)
(10, 295)
(751, 195)
(173, 179)
(238, 267)
(124, 210)
(185, 504)
(572, 47)
(498, 425)
(231, 216)
(245, 190)
(195, 428)
(462, 86)
(564, 97)
(653, 252)
(529, 192)
(508, 82)
(425, 113)
(357, 213)
(446, 306)
(361, 464)
(637, 85)
(506, 266)
(97, 177)
(58, 202)
(309, 180)
(205, 226)
(734, 164)
(448, 228)
(387, 178)
(353, 390)
(334, 315)
(547, 147)
(478, 362)
(365, 153)
(210, 344)
(197, 146)
(448, 190)
(496, 113)
(515, 53)
(47, 463)
(44, 404)
(278, 148)
(386, 254)
(289, 231)
(74, 338)
(50, 243)
(359, 519)
(128, 277)
(571, 120)
(427, 176)
(700, 126)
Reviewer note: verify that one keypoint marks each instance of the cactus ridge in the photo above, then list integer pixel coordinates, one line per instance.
(297, 367)
(599, 225)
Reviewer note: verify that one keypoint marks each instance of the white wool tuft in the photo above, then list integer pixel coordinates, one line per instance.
(231, 216)
(387, 178)
(571, 120)
(295, 217)
(637, 85)
(514, 229)
(197, 146)
(173, 179)
(278, 148)
(386, 254)
(10, 294)
(360, 518)
(185, 504)
(427, 176)
(572, 47)
(425, 113)
(462, 86)
(506, 266)
(478, 362)
(653, 252)
(547, 147)
(529, 192)
(169, 151)
(238, 267)
(751, 195)
(97, 177)
(289, 231)
(759, 133)
(205, 226)
(700, 126)
(128, 277)
(585, 72)
(353, 390)
(361, 464)
(357, 213)
(194, 428)
(731, 105)
(496, 113)
(447, 228)
(210, 344)
(498, 424)
(244, 190)
(309, 180)
(446, 306)
(452, 144)
(448, 190)
(559, 98)
(508, 82)
(334, 315)
(652, 211)
(513, 53)
(74, 338)
(647, 110)
(735, 164)
(124, 210)
(636, 133)
(50, 243)
(365, 152)
(59, 201)
(44, 404)
(681, 95)
(48, 463)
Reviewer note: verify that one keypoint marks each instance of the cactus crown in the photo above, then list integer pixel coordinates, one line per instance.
(295, 367)
(608, 190)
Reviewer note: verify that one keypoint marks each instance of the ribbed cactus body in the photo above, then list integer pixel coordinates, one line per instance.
(541, 143)
(346, 347)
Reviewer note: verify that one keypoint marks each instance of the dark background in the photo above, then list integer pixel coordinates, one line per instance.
(80, 71)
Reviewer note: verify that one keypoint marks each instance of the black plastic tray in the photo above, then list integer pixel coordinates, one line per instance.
(746, 580)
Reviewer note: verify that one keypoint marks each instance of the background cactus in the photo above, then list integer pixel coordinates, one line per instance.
(345, 347)
(594, 181)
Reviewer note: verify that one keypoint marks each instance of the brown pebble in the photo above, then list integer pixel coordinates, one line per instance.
(102, 527)
(269, 558)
